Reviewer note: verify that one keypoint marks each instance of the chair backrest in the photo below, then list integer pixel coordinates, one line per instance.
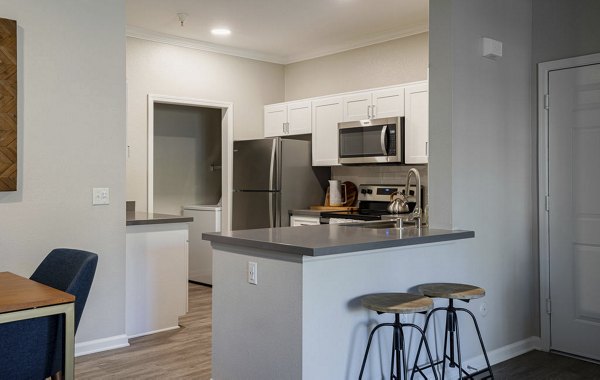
(71, 271)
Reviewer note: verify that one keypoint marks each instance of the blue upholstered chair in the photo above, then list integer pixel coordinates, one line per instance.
(33, 348)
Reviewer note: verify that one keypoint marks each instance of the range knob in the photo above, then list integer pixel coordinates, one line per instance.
(363, 191)
(369, 191)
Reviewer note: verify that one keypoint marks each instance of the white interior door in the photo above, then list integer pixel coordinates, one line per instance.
(574, 216)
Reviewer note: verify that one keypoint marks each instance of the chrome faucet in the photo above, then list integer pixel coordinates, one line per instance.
(416, 213)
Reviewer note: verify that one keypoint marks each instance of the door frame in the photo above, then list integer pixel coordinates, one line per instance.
(226, 148)
(544, 70)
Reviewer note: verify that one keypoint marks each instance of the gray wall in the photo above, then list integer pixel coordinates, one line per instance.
(564, 28)
(483, 111)
(187, 140)
(71, 130)
(394, 62)
(156, 68)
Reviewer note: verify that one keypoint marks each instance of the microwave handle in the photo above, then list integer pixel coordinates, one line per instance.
(383, 140)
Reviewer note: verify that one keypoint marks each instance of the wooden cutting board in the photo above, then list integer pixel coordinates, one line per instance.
(333, 208)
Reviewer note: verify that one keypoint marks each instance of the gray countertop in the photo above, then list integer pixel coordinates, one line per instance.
(136, 218)
(328, 239)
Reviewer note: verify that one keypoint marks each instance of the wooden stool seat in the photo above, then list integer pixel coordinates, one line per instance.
(397, 303)
(451, 291)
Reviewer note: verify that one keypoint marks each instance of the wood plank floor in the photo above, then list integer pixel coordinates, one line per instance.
(186, 353)
(538, 365)
(181, 353)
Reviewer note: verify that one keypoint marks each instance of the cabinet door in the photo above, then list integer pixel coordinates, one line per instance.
(299, 118)
(388, 103)
(357, 106)
(326, 114)
(275, 118)
(416, 124)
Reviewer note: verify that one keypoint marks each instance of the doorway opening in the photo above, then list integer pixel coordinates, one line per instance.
(173, 166)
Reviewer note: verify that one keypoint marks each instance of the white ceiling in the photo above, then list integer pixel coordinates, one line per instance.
(281, 31)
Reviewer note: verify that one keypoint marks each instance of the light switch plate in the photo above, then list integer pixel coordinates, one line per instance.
(101, 196)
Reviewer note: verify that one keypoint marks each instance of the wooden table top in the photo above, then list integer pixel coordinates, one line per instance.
(20, 293)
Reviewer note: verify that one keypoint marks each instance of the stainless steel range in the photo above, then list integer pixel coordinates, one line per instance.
(372, 204)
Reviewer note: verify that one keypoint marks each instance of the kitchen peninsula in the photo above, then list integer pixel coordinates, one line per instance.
(302, 319)
(156, 260)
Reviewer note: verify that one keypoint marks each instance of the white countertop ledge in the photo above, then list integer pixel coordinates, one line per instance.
(330, 239)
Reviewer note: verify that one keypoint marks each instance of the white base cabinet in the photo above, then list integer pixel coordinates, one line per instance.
(156, 286)
(303, 220)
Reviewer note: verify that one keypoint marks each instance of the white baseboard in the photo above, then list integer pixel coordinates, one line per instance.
(507, 352)
(153, 332)
(104, 344)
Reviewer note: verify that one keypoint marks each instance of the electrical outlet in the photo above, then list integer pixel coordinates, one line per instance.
(100, 196)
(252, 273)
(483, 309)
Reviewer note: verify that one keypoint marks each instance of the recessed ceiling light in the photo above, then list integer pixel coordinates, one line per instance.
(221, 31)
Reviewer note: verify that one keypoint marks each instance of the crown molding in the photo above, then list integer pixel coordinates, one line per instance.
(149, 35)
(407, 32)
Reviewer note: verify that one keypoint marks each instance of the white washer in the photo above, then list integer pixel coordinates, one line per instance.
(207, 218)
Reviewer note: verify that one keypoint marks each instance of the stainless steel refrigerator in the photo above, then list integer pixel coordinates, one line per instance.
(271, 177)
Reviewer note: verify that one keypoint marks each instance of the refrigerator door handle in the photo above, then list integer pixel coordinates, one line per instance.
(271, 210)
(271, 183)
(272, 166)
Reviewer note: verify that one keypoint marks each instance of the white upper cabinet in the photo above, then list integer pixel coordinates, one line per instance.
(285, 119)
(299, 118)
(357, 106)
(275, 119)
(416, 132)
(388, 102)
(326, 114)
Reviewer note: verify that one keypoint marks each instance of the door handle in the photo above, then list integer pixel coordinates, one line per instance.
(382, 140)
(427, 148)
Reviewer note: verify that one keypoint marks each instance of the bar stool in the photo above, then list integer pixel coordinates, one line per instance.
(451, 292)
(397, 303)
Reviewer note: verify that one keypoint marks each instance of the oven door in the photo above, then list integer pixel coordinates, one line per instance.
(370, 143)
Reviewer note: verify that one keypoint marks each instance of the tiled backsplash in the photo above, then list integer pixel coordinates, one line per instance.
(377, 174)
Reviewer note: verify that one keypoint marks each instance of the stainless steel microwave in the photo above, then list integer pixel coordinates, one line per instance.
(371, 141)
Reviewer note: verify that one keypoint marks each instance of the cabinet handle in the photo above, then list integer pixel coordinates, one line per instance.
(287, 128)
(427, 148)
(373, 111)
(368, 112)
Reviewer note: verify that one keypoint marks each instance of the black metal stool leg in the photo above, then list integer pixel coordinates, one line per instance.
(431, 363)
(457, 335)
(403, 347)
(362, 368)
(395, 361)
(487, 361)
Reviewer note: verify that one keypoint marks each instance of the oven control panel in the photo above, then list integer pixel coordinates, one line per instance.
(381, 193)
